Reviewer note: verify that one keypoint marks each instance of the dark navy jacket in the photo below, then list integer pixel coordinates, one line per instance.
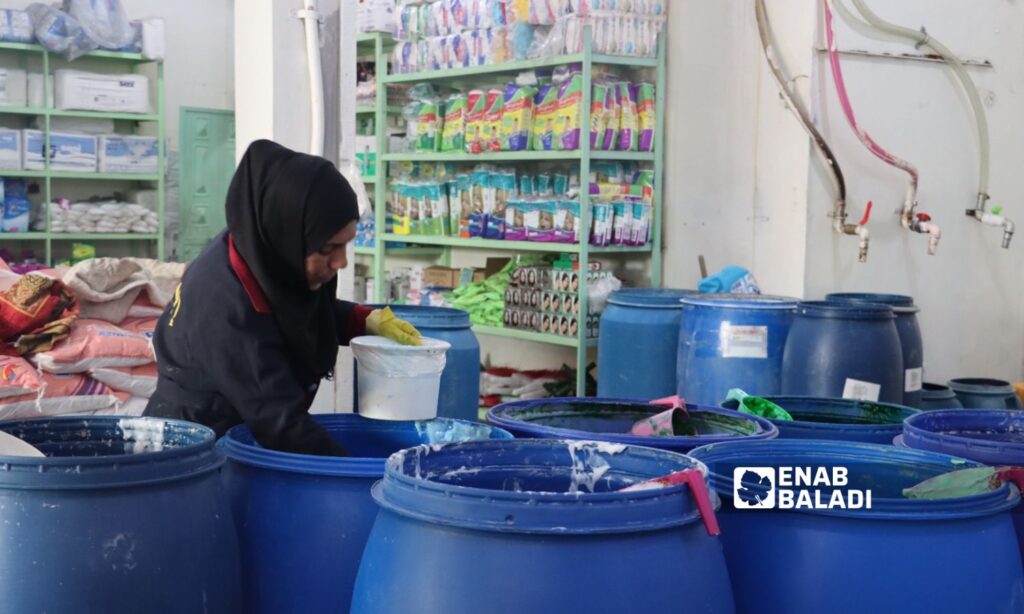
(223, 360)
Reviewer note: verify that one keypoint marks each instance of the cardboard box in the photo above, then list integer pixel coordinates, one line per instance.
(441, 277)
(68, 152)
(129, 154)
(13, 87)
(85, 91)
(10, 149)
(479, 275)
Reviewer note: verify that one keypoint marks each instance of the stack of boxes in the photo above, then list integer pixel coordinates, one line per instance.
(545, 299)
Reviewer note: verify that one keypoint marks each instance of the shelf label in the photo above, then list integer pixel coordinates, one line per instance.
(743, 341)
(861, 390)
(913, 380)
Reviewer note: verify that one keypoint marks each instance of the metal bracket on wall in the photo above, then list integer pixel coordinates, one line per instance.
(913, 57)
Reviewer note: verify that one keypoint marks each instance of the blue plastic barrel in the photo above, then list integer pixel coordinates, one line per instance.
(460, 381)
(302, 520)
(941, 556)
(123, 515)
(990, 436)
(937, 396)
(638, 343)
(838, 419)
(536, 526)
(731, 341)
(910, 337)
(611, 420)
(844, 350)
(985, 393)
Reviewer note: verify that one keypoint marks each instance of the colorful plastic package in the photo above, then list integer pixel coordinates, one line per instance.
(517, 118)
(648, 113)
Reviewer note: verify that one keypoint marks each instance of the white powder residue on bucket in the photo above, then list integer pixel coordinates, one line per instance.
(588, 464)
(142, 435)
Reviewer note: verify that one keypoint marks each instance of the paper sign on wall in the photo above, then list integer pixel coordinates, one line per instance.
(743, 341)
(861, 390)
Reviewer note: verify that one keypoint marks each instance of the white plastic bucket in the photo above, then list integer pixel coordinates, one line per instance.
(399, 382)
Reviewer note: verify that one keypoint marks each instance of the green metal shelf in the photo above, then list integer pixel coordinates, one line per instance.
(47, 176)
(23, 236)
(107, 55)
(86, 236)
(401, 251)
(526, 335)
(582, 159)
(518, 156)
(369, 110)
(41, 112)
(513, 67)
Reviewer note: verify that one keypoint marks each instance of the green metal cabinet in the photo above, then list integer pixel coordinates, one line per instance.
(207, 162)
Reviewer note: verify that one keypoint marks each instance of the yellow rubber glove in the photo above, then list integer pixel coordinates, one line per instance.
(382, 322)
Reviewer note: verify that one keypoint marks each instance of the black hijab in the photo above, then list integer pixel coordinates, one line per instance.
(281, 207)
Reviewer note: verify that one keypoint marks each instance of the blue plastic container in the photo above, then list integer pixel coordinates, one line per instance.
(838, 419)
(910, 337)
(731, 341)
(123, 514)
(611, 420)
(985, 393)
(937, 396)
(513, 527)
(838, 350)
(302, 520)
(944, 556)
(460, 380)
(638, 343)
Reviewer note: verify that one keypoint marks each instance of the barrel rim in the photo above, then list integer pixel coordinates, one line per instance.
(845, 311)
(656, 298)
(1000, 500)
(762, 302)
(981, 385)
(439, 317)
(598, 513)
(252, 455)
(180, 462)
(914, 430)
(863, 429)
(496, 415)
(900, 303)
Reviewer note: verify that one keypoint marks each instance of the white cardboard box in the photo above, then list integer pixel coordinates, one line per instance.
(129, 154)
(68, 152)
(13, 87)
(85, 91)
(10, 149)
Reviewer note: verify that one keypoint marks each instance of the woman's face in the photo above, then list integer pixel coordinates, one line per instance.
(323, 264)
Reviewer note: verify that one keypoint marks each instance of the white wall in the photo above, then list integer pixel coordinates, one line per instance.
(199, 68)
(738, 165)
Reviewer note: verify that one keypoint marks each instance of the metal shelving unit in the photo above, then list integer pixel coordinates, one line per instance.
(380, 44)
(134, 61)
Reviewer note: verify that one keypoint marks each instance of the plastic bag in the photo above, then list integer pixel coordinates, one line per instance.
(599, 291)
(104, 21)
(60, 32)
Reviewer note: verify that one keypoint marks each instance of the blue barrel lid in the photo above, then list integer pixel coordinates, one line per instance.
(650, 298)
(370, 442)
(525, 486)
(884, 469)
(990, 436)
(431, 317)
(900, 303)
(107, 452)
(742, 301)
(519, 416)
(845, 311)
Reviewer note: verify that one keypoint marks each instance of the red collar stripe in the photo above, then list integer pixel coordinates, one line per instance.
(252, 287)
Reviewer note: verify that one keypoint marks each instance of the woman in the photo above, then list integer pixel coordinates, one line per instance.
(255, 325)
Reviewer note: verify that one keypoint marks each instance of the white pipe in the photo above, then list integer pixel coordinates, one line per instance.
(311, 18)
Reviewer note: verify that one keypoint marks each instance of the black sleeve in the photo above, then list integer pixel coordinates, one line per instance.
(260, 385)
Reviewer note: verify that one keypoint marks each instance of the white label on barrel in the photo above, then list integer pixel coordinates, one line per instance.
(861, 391)
(743, 341)
(913, 380)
